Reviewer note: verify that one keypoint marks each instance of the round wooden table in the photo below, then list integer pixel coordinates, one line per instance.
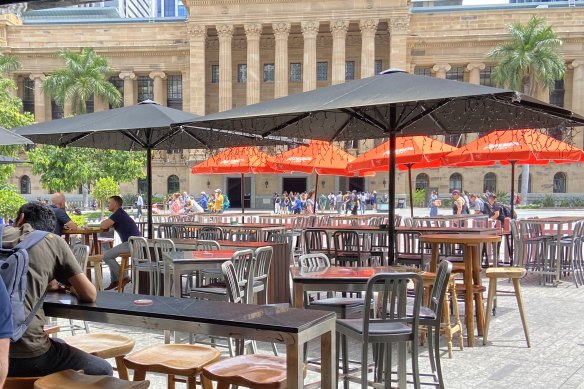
(472, 272)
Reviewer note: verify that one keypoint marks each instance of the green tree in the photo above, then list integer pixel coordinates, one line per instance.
(10, 201)
(8, 63)
(529, 62)
(105, 188)
(85, 75)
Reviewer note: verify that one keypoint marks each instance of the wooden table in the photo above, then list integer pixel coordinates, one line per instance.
(472, 272)
(292, 327)
(88, 234)
(262, 229)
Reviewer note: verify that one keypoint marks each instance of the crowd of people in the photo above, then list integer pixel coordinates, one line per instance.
(464, 202)
(349, 202)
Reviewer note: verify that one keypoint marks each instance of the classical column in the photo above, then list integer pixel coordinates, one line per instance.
(474, 72)
(159, 95)
(281, 32)
(399, 28)
(68, 108)
(197, 82)
(99, 104)
(440, 69)
(39, 97)
(309, 32)
(368, 28)
(578, 86)
(128, 78)
(253, 31)
(339, 29)
(225, 33)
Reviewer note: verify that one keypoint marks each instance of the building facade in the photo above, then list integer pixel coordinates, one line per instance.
(230, 53)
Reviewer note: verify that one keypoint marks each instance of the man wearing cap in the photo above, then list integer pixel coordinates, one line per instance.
(457, 203)
(219, 199)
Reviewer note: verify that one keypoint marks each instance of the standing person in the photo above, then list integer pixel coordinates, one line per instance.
(139, 205)
(433, 203)
(374, 199)
(477, 206)
(5, 331)
(63, 220)
(458, 203)
(35, 354)
(126, 227)
(203, 201)
(322, 201)
(495, 212)
(219, 199)
(176, 206)
(277, 204)
(309, 206)
(339, 202)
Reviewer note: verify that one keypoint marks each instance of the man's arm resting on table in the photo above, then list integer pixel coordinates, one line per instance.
(71, 225)
(4, 347)
(83, 288)
(106, 224)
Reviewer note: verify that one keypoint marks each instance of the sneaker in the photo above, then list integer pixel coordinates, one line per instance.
(111, 286)
(126, 281)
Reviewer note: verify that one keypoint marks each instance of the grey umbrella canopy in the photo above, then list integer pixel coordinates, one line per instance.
(4, 160)
(391, 103)
(8, 138)
(144, 126)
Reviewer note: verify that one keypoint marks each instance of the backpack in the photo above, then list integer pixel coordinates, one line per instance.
(226, 203)
(14, 270)
(506, 211)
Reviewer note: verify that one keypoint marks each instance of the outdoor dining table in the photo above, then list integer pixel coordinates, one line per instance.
(472, 272)
(277, 324)
(89, 234)
(262, 229)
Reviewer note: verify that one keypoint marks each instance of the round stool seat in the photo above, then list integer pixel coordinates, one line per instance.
(475, 288)
(70, 379)
(506, 272)
(174, 359)
(250, 371)
(102, 345)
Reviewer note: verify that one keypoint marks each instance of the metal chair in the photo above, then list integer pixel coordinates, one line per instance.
(347, 246)
(161, 247)
(142, 262)
(263, 260)
(409, 250)
(317, 241)
(211, 233)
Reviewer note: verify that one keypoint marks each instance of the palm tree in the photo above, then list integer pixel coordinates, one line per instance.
(529, 62)
(85, 75)
(8, 63)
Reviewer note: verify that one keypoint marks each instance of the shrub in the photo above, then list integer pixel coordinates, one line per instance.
(548, 201)
(10, 201)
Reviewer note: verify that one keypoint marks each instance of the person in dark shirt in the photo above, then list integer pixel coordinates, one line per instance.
(495, 212)
(126, 227)
(63, 220)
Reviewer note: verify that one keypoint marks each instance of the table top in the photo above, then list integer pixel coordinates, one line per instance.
(226, 225)
(553, 219)
(224, 243)
(83, 231)
(266, 318)
(338, 274)
(201, 255)
(460, 238)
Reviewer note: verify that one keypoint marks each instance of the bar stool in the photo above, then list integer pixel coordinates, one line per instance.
(250, 371)
(125, 264)
(95, 261)
(185, 360)
(515, 273)
(70, 379)
(20, 382)
(105, 346)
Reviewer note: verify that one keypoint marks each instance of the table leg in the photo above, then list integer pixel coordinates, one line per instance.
(295, 366)
(96, 245)
(328, 352)
(434, 261)
(177, 282)
(298, 295)
(480, 310)
(468, 296)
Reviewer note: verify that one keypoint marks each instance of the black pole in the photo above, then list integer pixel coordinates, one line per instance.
(149, 195)
(391, 221)
(409, 165)
(315, 192)
(242, 198)
(512, 185)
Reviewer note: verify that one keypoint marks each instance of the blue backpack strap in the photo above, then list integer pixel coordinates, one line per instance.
(32, 239)
(1, 234)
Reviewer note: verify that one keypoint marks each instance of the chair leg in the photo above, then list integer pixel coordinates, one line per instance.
(491, 296)
(343, 340)
(431, 349)
(437, 357)
(206, 383)
(415, 367)
(519, 298)
(364, 363)
(171, 383)
(139, 375)
(191, 382)
(122, 369)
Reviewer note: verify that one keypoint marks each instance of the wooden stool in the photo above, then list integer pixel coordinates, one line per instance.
(185, 360)
(51, 329)
(20, 382)
(95, 262)
(250, 371)
(515, 273)
(70, 379)
(105, 346)
(124, 265)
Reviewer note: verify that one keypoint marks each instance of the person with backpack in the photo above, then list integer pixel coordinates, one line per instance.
(34, 353)
(477, 205)
(5, 331)
(496, 209)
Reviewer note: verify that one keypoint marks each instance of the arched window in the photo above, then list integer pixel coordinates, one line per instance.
(455, 182)
(173, 184)
(560, 181)
(25, 185)
(143, 186)
(519, 184)
(422, 181)
(490, 182)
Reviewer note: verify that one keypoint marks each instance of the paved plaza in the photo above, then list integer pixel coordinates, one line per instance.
(554, 316)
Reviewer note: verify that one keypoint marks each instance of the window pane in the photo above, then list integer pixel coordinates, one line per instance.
(378, 66)
(490, 183)
(174, 91)
(25, 185)
(322, 71)
(557, 94)
(56, 110)
(423, 71)
(145, 88)
(455, 73)
(214, 74)
(242, 73)
(173, 184)
(486, 78)
(269, 70)
(560, 183)
(142, 186)
(455, 182)
(28, 95)
(422, 181)
(119, 84)
(295, 72)
(350, 70)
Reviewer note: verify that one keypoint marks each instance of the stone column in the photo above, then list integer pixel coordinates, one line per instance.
(578, 86)
(339, 29)
(128, 78)
(99, 104)
(474, 72)
(39, 97)
(309, 32)
(159, 95)
(197, 81)
(253, 31)
(225, 33)
(281, 32)
(68, 108)
(440, 69)
(368, 28)
(399, 28)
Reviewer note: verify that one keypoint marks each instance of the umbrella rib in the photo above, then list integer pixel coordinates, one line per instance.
(189, 133)
(364, 118)
(76, 138)
(534, 108)
(133, 138)
(286, 124)
(424, 113)
(435, 120)
(166, 137)
(342, 128)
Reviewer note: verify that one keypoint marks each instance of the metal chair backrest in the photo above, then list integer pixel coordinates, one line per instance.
(140, 254)
(439, 289)
(165, 231)
(243, 236)
(162, 246)
(243, 261)
(81, 253)
(184, 232)
(408, 242)
(263, 260)
(314, 260)
(211, 233)
(207, 245)
(316, 241)
(346, 241)
(234, 292)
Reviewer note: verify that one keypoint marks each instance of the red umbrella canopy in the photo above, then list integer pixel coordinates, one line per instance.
(419, 151)
(236, 160)
(319, 156)
(522, 146)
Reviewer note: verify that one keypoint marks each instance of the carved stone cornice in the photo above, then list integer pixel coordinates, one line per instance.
(399, 24)
(339, 27)
(127, 74)
(253, 30)
(154, 75)
(224, 31)
(368, 26)
(281, 29)
(197, 31)
(309, 28)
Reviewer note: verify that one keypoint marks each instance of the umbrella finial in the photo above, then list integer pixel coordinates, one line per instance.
(148, 101)
(392, 70)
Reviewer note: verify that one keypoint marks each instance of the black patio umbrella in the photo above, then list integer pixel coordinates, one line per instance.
(8, 138)
(389, 104)
(4, 160)
(144, 126)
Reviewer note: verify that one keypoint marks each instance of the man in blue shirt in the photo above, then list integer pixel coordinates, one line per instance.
(126, 227)
(139, 204)
(5, 331)
(63, 220)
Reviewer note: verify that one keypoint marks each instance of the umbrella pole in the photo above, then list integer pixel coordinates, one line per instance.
(409, 165)
(512, 185)
(149, 196)
(391, 221)
(242, 198)
(315, 193)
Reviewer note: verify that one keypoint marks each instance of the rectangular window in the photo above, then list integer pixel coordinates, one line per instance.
(557, 93)
(28, 95)
(321, 71)
(214, 74)
(57, 111)
(242, 73)
(119, 84)
(378, 66)
(89, 105)
(455, 73)
(350, 70)
(486, 78)
(425, 71)
(145, 88)
(174, 91)
(269, 72)
(295, 72)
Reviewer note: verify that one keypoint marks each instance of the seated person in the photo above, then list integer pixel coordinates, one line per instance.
(35, 354)
(5, 331)
(63, 220)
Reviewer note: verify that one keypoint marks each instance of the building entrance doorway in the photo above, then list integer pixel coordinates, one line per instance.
(294, 184)
(234, 192)
(357, 183)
